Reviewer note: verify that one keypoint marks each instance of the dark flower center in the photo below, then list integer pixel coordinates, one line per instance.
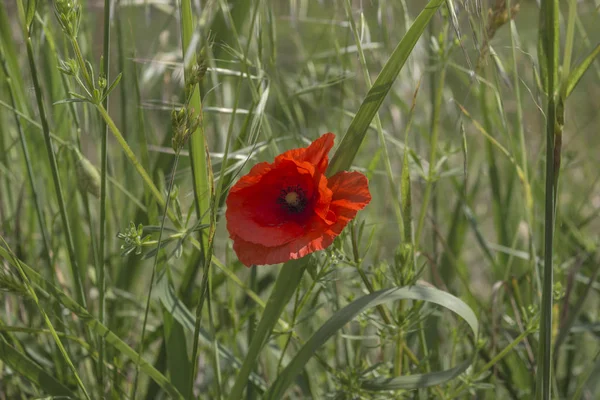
(292, 199)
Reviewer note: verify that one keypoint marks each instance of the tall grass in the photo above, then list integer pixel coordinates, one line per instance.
(473, 273)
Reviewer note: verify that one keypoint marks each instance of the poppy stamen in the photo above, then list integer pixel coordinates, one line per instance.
(292, 199)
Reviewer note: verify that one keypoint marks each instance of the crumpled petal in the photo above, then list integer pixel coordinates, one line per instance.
(316, 153)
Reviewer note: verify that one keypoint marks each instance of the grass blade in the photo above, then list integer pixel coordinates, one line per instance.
(549, 37)
(580, 70)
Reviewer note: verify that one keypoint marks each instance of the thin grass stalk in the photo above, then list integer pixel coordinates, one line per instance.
(103, 174)
(204, 288)
(197, 154)
(250, 392)
(433, 152)
(75, 271)
(520, 133)
(30, 173)
(215, 346)
(138, 166)
(200, 172)
(549, 18)
(154, 267)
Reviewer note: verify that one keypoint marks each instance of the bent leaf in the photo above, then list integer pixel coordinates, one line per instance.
(351, 311)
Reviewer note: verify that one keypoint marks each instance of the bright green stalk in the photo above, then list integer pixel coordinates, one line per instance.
(549, 19)
(103, 174)
(138, 166)
(78, 283)
(432, 155)
(197, 151)
(154, 267)
(200, 169)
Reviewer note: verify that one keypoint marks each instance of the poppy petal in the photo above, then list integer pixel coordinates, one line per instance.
(350, 194)
(350, 190)
(252, 177)
(251, 253)
(315, 153)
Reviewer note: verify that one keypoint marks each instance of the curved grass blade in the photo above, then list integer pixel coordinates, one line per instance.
(348, 313)
(578, 72)
(355, 134)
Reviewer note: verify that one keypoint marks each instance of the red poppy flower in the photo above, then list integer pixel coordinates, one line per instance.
(287, 209)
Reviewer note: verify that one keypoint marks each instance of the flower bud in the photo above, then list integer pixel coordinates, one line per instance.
(88, 177)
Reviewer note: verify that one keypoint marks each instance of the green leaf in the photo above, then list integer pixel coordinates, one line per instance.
(348, 313)
(30, 13)
(578, 72)
(112, 86)
(178, 363)
(355, 134)
(28, 369)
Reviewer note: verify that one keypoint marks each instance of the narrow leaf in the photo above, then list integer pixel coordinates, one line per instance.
(578, 72)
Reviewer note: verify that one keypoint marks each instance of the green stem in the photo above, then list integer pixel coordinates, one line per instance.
(103, 174)
(154, 267)
(137, 165)
(197, 151)
(550, 19)
(78, 283)
(30, 173)
(432, 155)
